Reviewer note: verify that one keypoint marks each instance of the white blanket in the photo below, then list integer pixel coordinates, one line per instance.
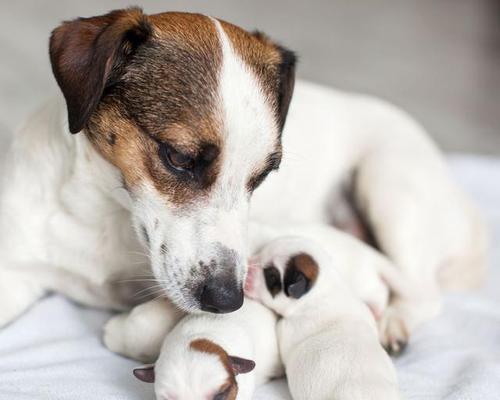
(55, 351)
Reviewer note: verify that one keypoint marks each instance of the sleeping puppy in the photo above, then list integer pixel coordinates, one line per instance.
(216, 357)
(139, 334)
(328, 338)
(369, 274)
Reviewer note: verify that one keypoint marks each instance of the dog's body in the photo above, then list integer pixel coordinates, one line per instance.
(65, 221)
(195, 358)
(181, 118)
(328, 338)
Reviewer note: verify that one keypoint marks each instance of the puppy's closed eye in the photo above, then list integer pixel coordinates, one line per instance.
(300, 275)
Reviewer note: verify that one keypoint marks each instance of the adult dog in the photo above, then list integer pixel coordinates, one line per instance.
(180, 119)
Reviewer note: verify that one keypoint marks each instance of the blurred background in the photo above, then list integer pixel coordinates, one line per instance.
(438, 59)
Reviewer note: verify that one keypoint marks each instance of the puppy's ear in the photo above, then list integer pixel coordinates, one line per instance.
(300, 275)
(146, 373)
(241, 365)
(88, 55)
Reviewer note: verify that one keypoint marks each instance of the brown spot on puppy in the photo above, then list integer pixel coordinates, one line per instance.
(233, 365)
(300, 275)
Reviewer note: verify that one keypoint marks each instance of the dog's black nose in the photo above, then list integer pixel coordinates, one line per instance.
(221, 295)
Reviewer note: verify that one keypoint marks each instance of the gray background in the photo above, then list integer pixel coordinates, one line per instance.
(439, 59)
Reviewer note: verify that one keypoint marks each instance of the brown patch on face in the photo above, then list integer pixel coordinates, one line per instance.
(162, 99)
(207, 346)
(142, 87)
(271, 63)
(300, 275)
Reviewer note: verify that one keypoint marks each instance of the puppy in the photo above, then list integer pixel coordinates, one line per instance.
(216, 357)
(369, 274)
(328, 338)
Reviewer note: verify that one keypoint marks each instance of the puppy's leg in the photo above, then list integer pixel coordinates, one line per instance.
(139, 334)
(16, 294)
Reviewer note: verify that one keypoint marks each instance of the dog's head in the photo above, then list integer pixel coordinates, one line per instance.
(283, 272)
(204, 370)
(190, 110)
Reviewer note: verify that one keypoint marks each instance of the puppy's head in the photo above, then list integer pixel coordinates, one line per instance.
(283, 272)
(204, 370)
(190, 110)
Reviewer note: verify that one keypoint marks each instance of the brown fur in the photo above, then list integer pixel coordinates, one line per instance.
(136, 83)
(207, 346)
(305, 264)
(273, 65)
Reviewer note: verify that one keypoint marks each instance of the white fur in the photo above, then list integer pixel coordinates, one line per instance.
(364, 270)
(186, 374)
(65, 220)
(328, 338)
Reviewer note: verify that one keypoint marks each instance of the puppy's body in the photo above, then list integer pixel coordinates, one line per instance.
(191, 363)
(365, 271)
(327, 336)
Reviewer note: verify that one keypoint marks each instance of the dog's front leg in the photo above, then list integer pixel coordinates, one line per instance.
(139, 334)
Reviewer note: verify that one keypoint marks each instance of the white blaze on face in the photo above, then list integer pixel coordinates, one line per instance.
(250, 134)
(250, 131)
(213, 232)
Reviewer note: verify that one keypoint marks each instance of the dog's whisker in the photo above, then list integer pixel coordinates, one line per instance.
(149, 290)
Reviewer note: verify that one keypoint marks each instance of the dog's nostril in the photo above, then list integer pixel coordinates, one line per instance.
(221, 296)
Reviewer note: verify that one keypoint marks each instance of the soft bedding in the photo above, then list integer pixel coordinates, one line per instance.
(55, 352)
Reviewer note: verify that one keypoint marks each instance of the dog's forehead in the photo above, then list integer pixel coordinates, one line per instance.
(250, 128)
(198, 82)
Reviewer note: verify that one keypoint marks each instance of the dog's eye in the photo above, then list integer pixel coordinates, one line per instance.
(176, 159)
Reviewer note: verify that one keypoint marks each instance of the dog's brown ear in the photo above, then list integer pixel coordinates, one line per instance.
(300, 275)
(286, 76)
(241, 365)
(146, 373)
(88, 54)
(287, 83)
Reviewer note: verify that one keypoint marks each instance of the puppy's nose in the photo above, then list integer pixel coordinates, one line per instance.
(221, 295)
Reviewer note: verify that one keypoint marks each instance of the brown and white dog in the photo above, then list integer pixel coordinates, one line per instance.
(180, 119)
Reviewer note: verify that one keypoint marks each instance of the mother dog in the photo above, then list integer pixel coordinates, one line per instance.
(179, 119)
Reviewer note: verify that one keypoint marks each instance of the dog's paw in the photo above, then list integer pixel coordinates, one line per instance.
(401, 318)
(139, 333)
(126, 336)
(114, 334)
(393, 330)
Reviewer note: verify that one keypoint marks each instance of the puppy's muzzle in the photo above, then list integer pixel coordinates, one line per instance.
(221, 294)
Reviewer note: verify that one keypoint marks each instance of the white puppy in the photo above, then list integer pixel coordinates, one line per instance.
(208, 356)
(328, 338)
(369, 274)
